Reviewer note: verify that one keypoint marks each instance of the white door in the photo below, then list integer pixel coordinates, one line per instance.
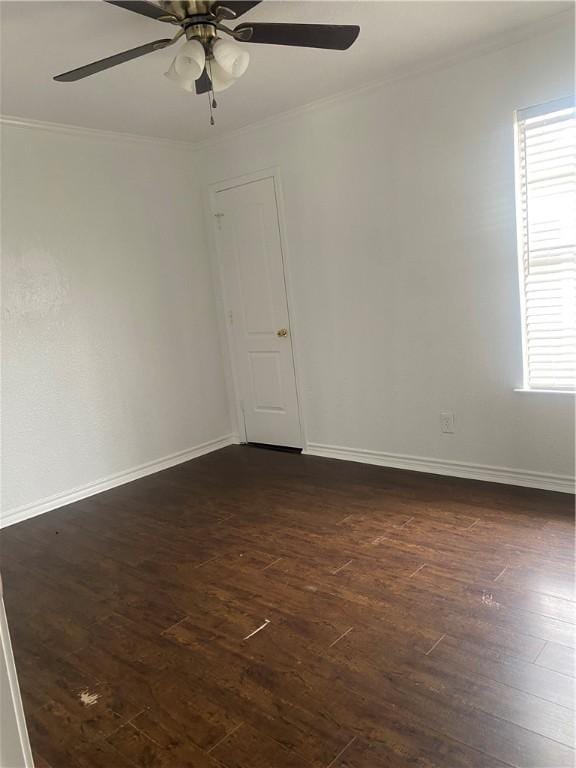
(252, 268)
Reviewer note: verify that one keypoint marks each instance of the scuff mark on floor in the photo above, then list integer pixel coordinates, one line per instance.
(417, 570)
(260, 628)
(339, 755)
(226, 736)
(502, 572)
(341, 567)
(205, 562)
(488, 600)
(435, 645)
(87, 698)
(341, 636)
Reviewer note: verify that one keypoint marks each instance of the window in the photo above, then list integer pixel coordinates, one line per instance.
(546, 215)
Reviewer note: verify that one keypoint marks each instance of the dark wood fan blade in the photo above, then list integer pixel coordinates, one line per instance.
(238, 6)
(111, 61)
(203, 84)
(334, 36)
(144, 8)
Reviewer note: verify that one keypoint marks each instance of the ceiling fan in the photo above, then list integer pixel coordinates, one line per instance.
(207, 62)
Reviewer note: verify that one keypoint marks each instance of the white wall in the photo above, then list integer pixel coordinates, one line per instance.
(111, 349)
(400, 218)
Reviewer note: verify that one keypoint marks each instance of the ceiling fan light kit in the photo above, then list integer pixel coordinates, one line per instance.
(225, 63)
(206, 62)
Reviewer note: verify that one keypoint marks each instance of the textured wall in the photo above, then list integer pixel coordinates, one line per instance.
(111, 351)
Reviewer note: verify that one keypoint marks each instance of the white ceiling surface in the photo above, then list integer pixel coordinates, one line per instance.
(42, 39)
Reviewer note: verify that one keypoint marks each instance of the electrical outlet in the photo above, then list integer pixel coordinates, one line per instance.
(447, 422)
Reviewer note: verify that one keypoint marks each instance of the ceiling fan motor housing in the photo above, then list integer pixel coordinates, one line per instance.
(202, 31)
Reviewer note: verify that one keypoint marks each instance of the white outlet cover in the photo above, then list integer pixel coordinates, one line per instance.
(447, 422)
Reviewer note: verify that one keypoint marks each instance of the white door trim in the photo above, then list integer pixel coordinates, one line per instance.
(226, 332)
(14, 721)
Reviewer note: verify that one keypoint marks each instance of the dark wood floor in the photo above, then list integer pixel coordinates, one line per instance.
(255, 609)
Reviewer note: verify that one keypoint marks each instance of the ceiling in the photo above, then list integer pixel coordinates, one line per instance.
(42, 39)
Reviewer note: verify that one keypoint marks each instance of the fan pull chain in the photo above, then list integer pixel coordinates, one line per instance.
(212, 98)
(210, 105)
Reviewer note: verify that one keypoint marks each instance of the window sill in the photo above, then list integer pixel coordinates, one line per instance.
(525, 390)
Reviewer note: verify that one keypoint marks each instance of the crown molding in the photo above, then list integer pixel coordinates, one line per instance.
(507, 40)
(97, 133)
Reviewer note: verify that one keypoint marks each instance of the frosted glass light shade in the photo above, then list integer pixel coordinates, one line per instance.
(173, 75)
(232, 58)
(220, 78)
(188, 65)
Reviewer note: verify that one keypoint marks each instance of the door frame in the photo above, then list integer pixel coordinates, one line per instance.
(234, 393)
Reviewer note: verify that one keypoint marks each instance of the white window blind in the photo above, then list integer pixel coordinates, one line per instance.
(546, 184)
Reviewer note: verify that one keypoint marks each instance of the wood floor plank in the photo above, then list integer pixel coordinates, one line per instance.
(422, 751)
(140, 749)
(247, 748)
(314, 730)
(559, 658)
(101, 754)
(483, 600)
(499, 594)
(56, 731)
(524, 676)
(187, 714)
(542, 581)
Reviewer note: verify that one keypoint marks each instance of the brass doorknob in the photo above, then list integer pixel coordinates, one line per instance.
(282, 332)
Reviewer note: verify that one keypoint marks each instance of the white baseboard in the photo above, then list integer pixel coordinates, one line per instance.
(18, 514)
(549, 482)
